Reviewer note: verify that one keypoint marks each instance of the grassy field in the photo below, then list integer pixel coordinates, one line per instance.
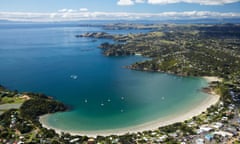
(14, 100)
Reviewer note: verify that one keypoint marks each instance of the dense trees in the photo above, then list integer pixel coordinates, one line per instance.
(177, 126)
(33, 108)
(194, 53)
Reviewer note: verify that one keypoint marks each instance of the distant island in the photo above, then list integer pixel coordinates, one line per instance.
(187, 50)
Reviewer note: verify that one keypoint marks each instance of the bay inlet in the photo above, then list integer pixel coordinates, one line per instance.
(103, 95)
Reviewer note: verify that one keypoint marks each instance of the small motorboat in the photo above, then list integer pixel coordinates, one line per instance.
(73, 76)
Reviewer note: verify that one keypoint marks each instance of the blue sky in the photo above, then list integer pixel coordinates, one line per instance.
(58, 10)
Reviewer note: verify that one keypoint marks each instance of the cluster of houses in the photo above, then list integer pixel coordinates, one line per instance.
(13, 121)
(220, 131)
(12, 125)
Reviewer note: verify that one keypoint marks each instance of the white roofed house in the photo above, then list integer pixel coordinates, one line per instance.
(217, 125)
(223, 134)
(204, 128)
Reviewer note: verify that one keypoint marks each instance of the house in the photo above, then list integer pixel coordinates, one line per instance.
(217, 125)
(153, 133)
(162, 138)
(232, 130)
(20, 142)
(221, 103)
(173, 135)
(224, 118)
(238, 120)
(91, 141)
(74, 140)
(209, 137)
(199, 141)
(191, 124)
(21, 137)
(145, 139)
(115, 140)
(223, 133)
(231, 107)
(204, 128)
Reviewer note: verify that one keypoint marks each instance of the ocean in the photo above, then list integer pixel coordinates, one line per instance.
(102, 94)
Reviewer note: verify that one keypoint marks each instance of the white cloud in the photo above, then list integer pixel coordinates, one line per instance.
(202, 2)
(83, 9)
(66, 10)
(63, 10)
(71, 10)
(139, 1)
(78, 15)
(125, 2)
(52, 15)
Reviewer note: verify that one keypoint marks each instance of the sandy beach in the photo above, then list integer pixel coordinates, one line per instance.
(153, 125)
(211, 78)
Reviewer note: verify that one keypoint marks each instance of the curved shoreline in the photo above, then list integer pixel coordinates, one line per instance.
(153, 125)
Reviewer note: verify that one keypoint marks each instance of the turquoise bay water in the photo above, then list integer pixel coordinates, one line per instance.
(41, 58)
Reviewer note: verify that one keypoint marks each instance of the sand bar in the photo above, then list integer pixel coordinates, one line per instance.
(153, 125)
